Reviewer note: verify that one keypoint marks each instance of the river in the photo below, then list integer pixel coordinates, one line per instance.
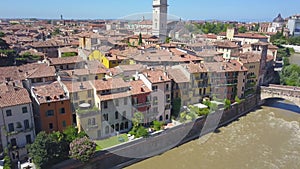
(267, 138)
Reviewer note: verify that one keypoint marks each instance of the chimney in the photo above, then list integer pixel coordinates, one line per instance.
(160, 78)
(81, 86)
(165, 74)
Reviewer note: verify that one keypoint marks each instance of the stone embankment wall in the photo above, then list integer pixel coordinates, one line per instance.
(140, 149)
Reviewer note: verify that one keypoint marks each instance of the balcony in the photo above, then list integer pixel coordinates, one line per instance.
(87, 111)
(138, 105)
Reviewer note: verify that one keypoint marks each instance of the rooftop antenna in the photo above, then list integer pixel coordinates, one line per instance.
(61, 17)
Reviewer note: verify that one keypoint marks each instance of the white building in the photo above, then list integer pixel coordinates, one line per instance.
(16, 120)
(160, 84)
(294, 25)
(160, 12)
(277, 24)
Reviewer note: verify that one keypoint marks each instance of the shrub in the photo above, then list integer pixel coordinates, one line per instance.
(82, 149)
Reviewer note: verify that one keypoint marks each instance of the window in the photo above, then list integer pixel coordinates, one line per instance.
(116, 115)
(51, 126)
(92, 122)
(168, 98)
(125, 101)
(105, 117)
(75, 95)
(8, 113)
(117, 127)
(89, 93)
(122, 126)
(50, 113)
(64, 123)
(126, 125)
(117, 102)
(28, 139)
(105, 104)
(160, 118)
(62, 111)
(154, 88)
(155, 100)
(24, 110)
(11, 127)
(26, 124)
(155, 110)
(167, 87)
(13, 142)
(167, 117)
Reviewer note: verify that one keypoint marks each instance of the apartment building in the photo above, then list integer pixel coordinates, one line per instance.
(16, 120)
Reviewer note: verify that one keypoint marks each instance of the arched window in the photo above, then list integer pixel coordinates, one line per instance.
(122, 127)
(160, 118)
(117, 127)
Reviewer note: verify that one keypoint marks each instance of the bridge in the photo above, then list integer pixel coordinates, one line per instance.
(278, 91)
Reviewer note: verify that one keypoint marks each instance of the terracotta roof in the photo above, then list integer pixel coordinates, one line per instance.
(66, 60)
(156, 76)
(232, 66)
(226, 44)
(139, 87)
(12, 96)
(41, 71)
(77, 86)
(178, 76)
(250, 35)
(111, 83)
(196, 68)
(53, 90)
(174, 55)
(270, 46)
(114, 96)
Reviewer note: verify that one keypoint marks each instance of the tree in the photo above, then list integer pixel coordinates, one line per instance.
(2, 34)
(168, 39)
(69, 54)
(157, 125)
(40, 150)
(71, 133)
(290, 75)
(227, 103)
(176, 106)
(48, 149)
(242, 29)
(138, 130)
(237, 99)
(7, 160)
(137, 119)
(140, 39)
(82, 149)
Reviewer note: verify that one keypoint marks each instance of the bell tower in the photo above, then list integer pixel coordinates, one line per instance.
(160, 12)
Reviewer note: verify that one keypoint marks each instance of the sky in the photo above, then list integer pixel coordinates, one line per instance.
(239, 10)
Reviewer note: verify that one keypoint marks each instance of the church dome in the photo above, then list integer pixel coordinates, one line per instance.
(278, 19)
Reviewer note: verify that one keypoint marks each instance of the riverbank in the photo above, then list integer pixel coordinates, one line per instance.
(138, 150)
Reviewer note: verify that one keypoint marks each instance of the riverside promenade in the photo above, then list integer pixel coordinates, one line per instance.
(140, 149)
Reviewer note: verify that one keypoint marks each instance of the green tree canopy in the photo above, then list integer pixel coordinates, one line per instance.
(242, 29)
(290, 75)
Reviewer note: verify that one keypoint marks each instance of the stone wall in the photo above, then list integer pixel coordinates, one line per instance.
(138, 150)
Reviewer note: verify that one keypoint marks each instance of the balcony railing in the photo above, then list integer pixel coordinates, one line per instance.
(148, 103)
